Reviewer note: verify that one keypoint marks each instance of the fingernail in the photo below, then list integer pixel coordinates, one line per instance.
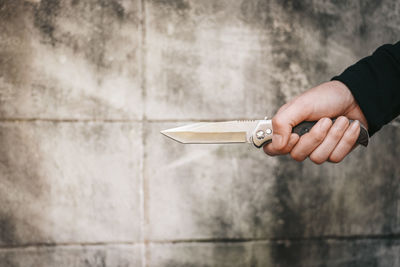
(292, 139)
(342, 121)
(355, 125)
(277, 140)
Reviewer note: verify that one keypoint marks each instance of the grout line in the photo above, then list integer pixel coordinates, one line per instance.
(144, 120)
(394, 123)
(68, 120)
(278, 240)
(212, 241)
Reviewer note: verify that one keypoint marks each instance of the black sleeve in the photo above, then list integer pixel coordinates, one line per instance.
(375, 84)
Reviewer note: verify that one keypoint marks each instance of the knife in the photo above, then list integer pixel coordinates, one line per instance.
(256, 132)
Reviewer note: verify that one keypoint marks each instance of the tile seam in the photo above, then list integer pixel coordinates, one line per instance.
(211, 241)
(144, 119)
(143, 122)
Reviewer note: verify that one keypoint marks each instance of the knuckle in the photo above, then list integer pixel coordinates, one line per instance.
(297, 156)
(349, 138)
(349, 142)
(316, 159)
(336, 133)
(335, 159)
(283, 107)
(318, 136)
(268, 151)
(277, 148)
(277, 121)
(271, 151)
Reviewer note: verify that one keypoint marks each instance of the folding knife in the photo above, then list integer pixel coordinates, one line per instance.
(256, 132)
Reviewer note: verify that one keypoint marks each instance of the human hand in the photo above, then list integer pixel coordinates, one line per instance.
(325, 141)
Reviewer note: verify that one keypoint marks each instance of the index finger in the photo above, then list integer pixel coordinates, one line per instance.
(285, 120)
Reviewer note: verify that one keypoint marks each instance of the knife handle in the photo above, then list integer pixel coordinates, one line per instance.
(305, 126)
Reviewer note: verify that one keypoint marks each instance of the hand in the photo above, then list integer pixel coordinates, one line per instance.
(325, 141)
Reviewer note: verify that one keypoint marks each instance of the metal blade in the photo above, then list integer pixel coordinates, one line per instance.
(213, 132)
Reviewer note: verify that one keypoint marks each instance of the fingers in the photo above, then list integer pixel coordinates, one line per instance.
(324, 142)
(270, 150)
(311, 140)
(347, 143)
(287, 117)
(335, 134)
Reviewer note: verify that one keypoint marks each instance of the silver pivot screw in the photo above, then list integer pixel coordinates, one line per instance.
(260, 134)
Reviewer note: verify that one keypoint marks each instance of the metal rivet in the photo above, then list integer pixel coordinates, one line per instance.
(260, 134)
(268, 131)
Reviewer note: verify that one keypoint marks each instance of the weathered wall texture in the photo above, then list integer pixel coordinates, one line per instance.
(87, 180)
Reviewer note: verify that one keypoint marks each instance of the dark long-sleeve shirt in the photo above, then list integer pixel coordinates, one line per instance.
(375, 84)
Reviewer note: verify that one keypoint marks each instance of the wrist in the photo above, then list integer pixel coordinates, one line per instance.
(345, 94)
(353, 110)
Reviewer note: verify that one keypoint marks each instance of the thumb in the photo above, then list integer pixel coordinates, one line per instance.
(284, 120)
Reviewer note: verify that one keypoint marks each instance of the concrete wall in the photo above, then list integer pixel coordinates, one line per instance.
(87, 180)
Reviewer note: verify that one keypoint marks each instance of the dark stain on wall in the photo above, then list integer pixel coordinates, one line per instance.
(256, 12)
(206, 255)
(14, 52)
(259, 13)
(45, 15)
(98, 260)
(178, 5)
(7, 228)
(284, 35)
(287, 254)
(382, 189)
(21, 174)
(367, 9)
(175, 263)
(390, 189)
(286, 211)
(118, 9)
(99, 21)
(114, 7)
(47, 12)
(289, 219)
(304, 12)
(355, 253)
(218, 222)
(8, 261)
(15, 49)
(28, 29)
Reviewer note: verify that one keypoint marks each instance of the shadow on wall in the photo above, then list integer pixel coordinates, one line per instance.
(24, 185)
(21, 173)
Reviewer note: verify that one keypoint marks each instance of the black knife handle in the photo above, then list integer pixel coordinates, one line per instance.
(305, 126)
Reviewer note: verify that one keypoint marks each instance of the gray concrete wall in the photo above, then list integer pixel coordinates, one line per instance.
(87, 180)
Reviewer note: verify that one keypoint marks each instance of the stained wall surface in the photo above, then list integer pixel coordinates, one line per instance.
(86, 179)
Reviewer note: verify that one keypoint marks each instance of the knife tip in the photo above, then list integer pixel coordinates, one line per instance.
(173, 135)
(164, 132)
